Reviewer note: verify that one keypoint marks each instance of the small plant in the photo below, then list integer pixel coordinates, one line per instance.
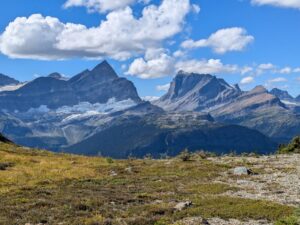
(291, 220)
(109, 160)
(148, 157)
(164, 156)
(204, 154)
(185, 155)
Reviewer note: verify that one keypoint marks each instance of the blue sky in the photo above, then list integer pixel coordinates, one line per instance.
(250, 42)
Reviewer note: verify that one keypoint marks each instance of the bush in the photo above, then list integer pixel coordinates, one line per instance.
(293, 147)
(109, 160)
(204, 154)
(185, 155)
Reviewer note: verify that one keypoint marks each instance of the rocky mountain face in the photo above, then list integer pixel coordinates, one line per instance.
(6, 80)
(95, 86)
(292, 103)
(197, 92)
(168, 134)
(282, 95)
(257, 109)
(260, 110)
(97, 112)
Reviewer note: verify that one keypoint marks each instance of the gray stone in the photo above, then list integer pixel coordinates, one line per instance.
(183, 205)
(242, 171)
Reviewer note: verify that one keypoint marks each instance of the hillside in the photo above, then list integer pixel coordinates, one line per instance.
(38, 187)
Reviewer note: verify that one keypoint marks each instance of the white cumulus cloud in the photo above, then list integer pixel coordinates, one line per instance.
(156, 63)
(99, 5)
(120, 36)
(278, 80)
(278, 3)
(222, 41)
(164, 87)
(211, 66)
(247, 80)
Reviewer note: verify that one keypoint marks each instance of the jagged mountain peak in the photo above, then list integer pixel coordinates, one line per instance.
(96, 86)
(192, 91)
(6, 80)
(259, 89)
(56, 76)
(281, 94)
(104, 69)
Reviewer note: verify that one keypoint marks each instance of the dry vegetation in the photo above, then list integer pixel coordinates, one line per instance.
(42, 187)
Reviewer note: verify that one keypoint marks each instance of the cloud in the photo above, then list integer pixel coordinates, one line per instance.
(278, 80)
(222, 41)
(266, 66)
(195, 8)
(211, 66)
(246, 69)
(278, 3)
(164, 87)
(286, 70)
(247, 80)
(156, 63)
(150, 98)
(296, 70)
(101, 6)
(120, 36)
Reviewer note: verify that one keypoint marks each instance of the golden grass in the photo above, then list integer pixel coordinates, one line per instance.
(43, 187)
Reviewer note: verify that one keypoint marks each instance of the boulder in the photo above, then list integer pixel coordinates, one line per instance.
(183, 205)
(239, 171)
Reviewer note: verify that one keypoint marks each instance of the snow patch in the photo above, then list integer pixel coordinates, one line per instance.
(85, 109)
(150, 98)
(11, 87)
(290, 103)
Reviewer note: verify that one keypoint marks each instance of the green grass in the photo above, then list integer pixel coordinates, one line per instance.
(42, 187)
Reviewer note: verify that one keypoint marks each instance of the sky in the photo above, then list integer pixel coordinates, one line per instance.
(249, 42)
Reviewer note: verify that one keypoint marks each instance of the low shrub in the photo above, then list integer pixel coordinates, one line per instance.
(293, 147)
(185, 155)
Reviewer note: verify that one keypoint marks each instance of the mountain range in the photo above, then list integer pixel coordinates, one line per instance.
(98, 112)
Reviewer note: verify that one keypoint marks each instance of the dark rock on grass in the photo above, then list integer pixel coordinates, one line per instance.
(5, 165)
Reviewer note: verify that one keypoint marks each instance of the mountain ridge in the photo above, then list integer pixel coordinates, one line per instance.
(257, 109)
(97, 85)
(6, 80)
(98, 111)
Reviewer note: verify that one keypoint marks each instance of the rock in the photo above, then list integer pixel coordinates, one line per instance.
(113, 173)
(128, 170)
(158, 202)
(239, 171)
(183, 205)
(192, 221)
